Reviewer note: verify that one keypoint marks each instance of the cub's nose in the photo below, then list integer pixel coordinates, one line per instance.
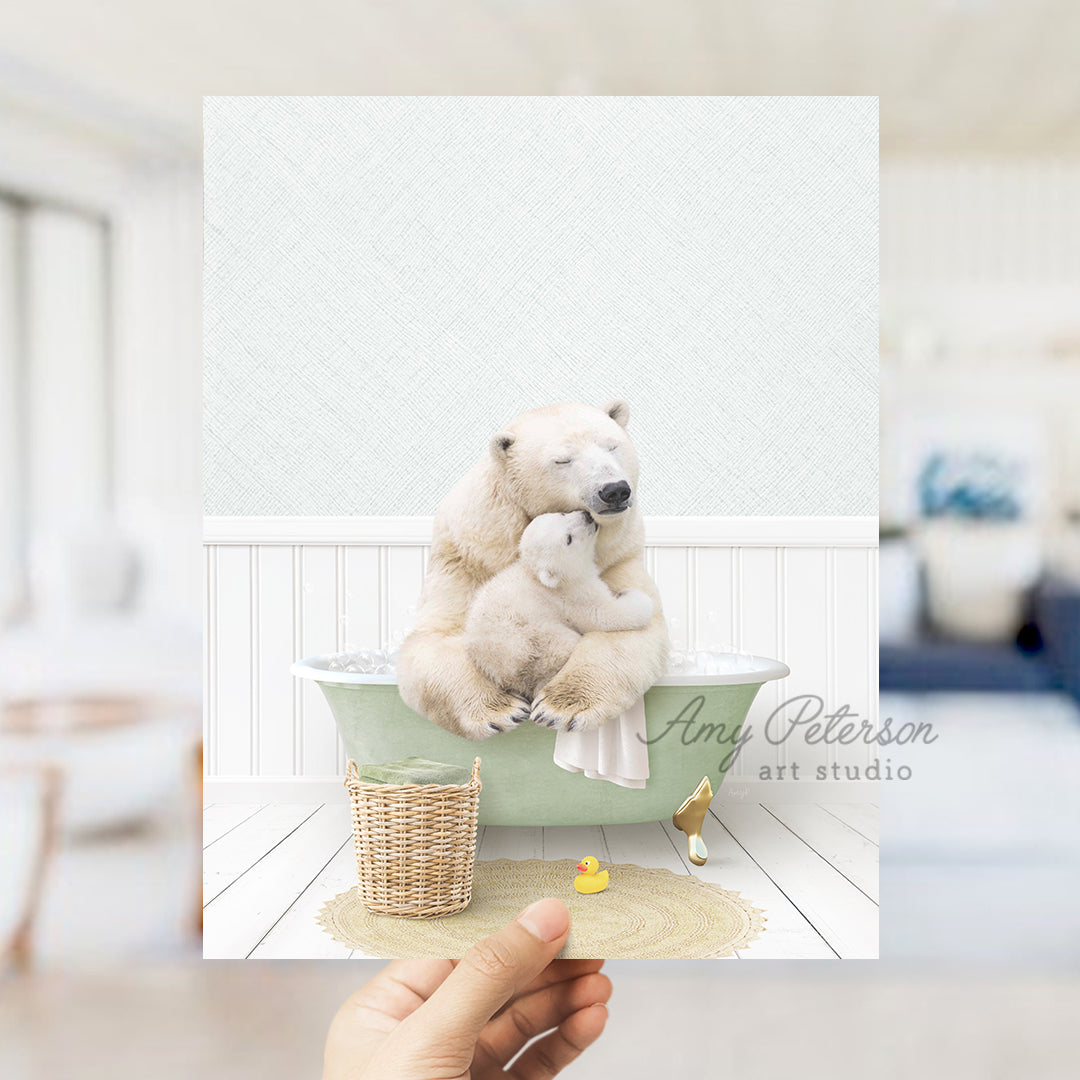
(616, 493)
(588, 520)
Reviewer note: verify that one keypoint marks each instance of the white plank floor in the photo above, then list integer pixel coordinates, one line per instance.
(813, 868)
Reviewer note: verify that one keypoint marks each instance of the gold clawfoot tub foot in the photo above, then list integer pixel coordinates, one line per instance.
(689, 818)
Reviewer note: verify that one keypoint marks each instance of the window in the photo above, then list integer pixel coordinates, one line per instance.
(56, 408)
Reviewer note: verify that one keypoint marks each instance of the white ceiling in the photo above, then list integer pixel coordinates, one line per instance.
(954, 76)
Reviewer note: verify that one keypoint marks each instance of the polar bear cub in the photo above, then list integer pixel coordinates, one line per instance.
(524, 623)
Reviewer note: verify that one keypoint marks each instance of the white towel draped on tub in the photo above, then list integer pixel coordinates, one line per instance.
(611, 752)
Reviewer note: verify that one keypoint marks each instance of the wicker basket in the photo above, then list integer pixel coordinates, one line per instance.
(415, 844)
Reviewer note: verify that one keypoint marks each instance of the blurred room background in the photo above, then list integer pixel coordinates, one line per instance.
(100, 234)
(99, 487)
(980, 544)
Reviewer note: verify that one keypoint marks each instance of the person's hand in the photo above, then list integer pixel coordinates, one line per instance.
(442, 1019)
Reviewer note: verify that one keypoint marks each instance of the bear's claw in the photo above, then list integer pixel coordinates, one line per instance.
(548, 715)
(494, 721)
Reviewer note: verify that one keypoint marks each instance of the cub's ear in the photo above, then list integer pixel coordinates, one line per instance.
(619, 411)
(548, 577)
(500, 446)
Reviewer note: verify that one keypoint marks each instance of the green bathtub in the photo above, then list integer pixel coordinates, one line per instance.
(692, 722)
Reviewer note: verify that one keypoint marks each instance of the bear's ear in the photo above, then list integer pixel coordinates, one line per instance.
(619, 411)
(548, 577)
(500, 446)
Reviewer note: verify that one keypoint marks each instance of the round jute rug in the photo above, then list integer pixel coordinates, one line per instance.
(644, 914)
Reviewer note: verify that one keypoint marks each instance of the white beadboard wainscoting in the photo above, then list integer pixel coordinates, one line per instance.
(803, 590)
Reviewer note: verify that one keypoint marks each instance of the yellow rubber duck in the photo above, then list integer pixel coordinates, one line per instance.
(589, 880)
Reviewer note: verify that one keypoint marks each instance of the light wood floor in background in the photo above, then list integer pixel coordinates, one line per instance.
(813, 868)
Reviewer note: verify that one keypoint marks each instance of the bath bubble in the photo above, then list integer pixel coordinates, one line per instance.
(676, 662)
(717, 647)
(366, 661)
(715, 660)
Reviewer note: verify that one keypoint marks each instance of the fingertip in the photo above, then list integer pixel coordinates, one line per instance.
(586, 1025)
(601, 987)
(596, 1015)
(547, 919)
(592, 988)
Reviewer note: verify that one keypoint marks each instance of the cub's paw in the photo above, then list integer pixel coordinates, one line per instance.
(636, 607)
(560, 711)
(502, 713)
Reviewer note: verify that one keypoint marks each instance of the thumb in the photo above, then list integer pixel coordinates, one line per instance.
(487, 977)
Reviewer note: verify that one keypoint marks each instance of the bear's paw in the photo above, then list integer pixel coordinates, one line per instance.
(563, 709)
(501, 714)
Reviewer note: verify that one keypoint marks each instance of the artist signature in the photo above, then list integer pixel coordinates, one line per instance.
(803, 716)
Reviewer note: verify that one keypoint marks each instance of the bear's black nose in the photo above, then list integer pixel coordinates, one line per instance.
(616, 493)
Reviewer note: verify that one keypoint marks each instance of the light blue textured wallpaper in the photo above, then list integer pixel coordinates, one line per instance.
(388, 280)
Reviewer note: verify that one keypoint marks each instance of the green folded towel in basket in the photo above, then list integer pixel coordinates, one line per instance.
(414, 770)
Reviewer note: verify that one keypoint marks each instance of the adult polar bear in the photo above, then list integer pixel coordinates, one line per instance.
(552, 460)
